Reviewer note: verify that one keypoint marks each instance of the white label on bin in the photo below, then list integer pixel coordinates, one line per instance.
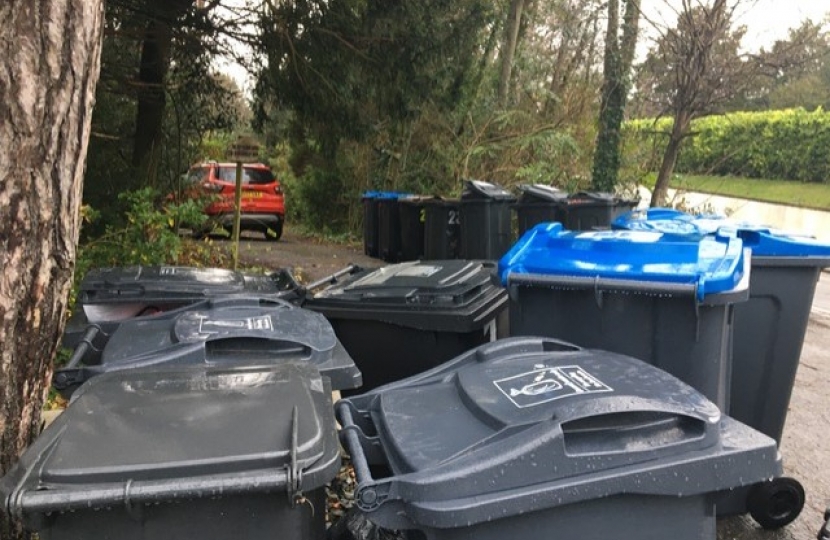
(214, 326)
(643, 237)
(546, 384)
(168, 271)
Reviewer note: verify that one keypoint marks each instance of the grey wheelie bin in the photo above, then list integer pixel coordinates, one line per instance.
(769, 328)
(207, 453)
(230, 331)
(108, 296)
(540, 203)
(666, 301)
(403, 319)
(442, 229)
(538, 438)
(486, 231)
(589, 210)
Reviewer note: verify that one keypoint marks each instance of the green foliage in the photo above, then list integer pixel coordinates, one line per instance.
(791, 144)
(146, 235)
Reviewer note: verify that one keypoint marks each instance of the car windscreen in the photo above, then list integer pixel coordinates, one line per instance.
(249, 176)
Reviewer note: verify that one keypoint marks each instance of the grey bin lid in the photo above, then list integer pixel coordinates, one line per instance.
(593, 198)
(173, 283)
(241, 331)
(152, 436)
(541, 193)
(524, 424)
(478, 190)
(451, 296)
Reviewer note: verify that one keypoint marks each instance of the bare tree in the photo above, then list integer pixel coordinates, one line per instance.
(694, 68)
(51, 54)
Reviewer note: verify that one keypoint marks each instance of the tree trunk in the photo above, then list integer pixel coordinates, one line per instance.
(155, 62)
(511, 36)
(606, 153)
(51, 51)
(661, 186)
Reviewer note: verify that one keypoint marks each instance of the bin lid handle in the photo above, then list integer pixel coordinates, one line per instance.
(294, 478)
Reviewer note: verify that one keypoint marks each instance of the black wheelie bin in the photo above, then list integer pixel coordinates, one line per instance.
(590, 210)
(389, 226)
(442, 229)
(208, 453)
(413, 219)
(369, 199)
(486, 231)
(540, 203)
(108, 296)
(230, 331)
(538, 438)
(402, 319)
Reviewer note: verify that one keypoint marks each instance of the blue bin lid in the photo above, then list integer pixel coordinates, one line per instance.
(766, 242)
(762, 240)
(384, 195)
(712, 264)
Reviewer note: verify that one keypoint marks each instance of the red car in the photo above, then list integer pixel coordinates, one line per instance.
(263, 202)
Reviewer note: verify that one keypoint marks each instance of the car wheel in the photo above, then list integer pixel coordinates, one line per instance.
(273, 233)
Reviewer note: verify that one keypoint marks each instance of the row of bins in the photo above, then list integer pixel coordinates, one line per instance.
(454, 432)
(478, 225)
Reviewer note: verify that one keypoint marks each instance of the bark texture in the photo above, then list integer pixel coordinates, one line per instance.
(51, 55)
(511, 37)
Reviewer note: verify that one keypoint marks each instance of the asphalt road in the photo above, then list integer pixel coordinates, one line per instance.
(806, 445)
(821, 302)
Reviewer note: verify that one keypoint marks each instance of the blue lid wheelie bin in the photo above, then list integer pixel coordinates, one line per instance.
(538, 438)
(769, 329)
(666, 301)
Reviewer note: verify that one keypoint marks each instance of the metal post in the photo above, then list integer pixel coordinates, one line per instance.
(237, 210)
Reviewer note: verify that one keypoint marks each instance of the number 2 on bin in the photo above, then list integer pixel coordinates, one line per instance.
(453, 219)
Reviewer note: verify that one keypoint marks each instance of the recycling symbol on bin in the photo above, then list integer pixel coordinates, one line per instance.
(545, 384)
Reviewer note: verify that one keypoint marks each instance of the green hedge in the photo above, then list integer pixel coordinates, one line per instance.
(791, 144)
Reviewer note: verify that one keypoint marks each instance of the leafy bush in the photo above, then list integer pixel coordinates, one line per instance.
(791, 144)
(146, 235)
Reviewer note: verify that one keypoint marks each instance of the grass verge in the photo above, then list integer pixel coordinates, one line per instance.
(786, 192)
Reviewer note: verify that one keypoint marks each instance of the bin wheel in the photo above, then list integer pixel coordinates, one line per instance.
(776, 503)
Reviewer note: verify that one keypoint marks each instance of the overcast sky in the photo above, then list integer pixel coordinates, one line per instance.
(766, 20)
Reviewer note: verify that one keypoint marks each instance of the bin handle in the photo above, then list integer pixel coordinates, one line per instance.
(599, 283)
(333, 278)
(84, 346)
(370, 493)
(508, 347)
(244, 300)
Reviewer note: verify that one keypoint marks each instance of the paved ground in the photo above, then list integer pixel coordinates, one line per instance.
(806, 445)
